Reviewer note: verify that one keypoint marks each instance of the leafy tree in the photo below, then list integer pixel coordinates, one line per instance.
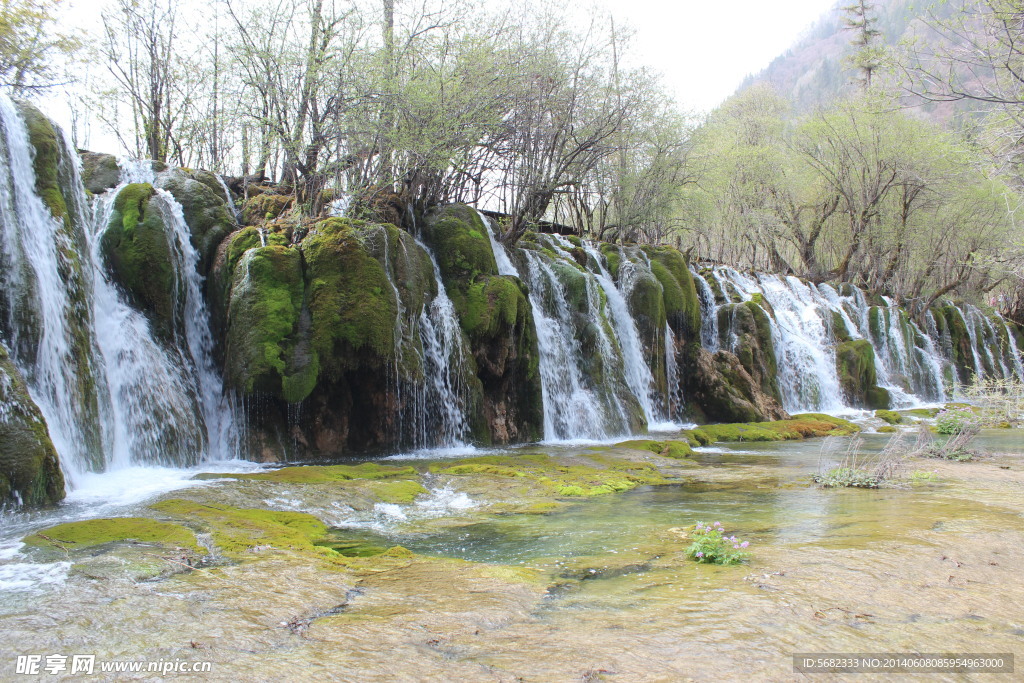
(29, 47)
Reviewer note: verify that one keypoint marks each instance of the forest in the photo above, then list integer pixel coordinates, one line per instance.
(532, 114)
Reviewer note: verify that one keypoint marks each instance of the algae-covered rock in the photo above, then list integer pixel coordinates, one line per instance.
(100, 172)
(30, 472)
(138, 253)
(723, 390)
(332, 322)
(748, 324)
(54, 165)
(495, 315)
(890, 416)
(264, 207)
(93, 532)
(682, 305)
(263, 315)
(204, 205)
(855, 363)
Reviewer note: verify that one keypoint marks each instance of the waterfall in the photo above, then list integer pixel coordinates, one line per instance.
(911, 363)
(47, 326)
(638, 374)
(505, 265)
(152, 414)
(113, 395)
(572, 408)
(708, 312)
(444, 359)
(235, 213)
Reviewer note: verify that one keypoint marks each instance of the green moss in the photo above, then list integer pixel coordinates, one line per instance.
(235, 531)
(263, 315)
(261, 207)
(482, 468)
(890, 416)
(94, 532)
(887, 429)
(798, 427)
(545, 476)
(30, 471)
(353, 305)
(613, 256)
(323, 474)
(204, 207)
(461, 245)
(397, 491)
(682, 305)
(669, 449)
(855, 363)
(138, 253)
(491, 305)
(839, 331)
(43, 138)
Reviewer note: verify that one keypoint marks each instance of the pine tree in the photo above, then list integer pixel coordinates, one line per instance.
(861, 19)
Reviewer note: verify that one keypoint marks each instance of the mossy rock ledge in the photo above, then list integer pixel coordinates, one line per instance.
(328, 328)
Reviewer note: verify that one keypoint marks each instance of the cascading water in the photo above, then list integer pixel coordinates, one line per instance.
(47, 325)
(112, 394)
(638, 373)
(708, 312)
(910, 363)
(444, 419)
(153, 414)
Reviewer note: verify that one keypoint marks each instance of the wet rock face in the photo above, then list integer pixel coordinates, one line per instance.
(138, 254)
(322, 337)
(724, 391)
(748, 323)
(204, 204)
(100, 172)
(30, 472)
(495, 315)
(855, 363)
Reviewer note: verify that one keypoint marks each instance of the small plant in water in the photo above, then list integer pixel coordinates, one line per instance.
(860, 469)
(923, 477)
(711, 545)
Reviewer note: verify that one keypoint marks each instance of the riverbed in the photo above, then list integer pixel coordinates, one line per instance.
(584, 589)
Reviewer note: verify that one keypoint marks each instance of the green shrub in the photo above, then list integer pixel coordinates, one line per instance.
(955, 421)
(838, 477)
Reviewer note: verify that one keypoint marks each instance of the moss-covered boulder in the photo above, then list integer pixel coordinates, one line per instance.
(332, 323)
(100, 172)
(30, 472)
(748, 324)
(138, 254)
(721, 390)
(682, 305)
(205, 208)
(495, 315)
(265, 207)
(266, 305)
(855, 363)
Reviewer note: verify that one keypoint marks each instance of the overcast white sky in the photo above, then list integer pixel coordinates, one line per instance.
(704, 48)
